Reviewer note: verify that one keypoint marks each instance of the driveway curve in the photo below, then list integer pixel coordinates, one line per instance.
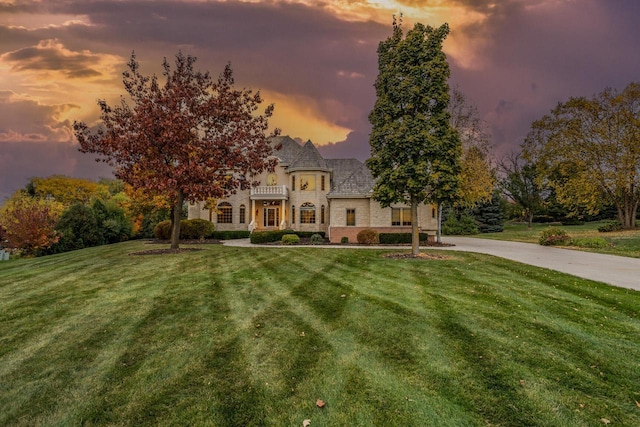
(611, 269)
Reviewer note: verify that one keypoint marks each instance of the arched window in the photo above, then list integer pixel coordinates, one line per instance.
(225, 213)
(308, 213)
(243, 214)
(322, 210)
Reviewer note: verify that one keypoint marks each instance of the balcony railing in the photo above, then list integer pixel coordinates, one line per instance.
(270, 192)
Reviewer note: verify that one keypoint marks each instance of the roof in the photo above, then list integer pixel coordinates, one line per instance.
(289, 149)
(351, 178)
(308, 158)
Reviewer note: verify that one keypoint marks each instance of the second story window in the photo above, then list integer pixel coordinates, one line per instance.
(307, 182)
(293, 183)
(322, 182)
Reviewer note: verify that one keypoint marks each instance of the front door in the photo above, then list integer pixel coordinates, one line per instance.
(271, 216)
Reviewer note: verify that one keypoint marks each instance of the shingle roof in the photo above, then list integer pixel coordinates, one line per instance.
(309, 158)
(289, 149)
(350, 178)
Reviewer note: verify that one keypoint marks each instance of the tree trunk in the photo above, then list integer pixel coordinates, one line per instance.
(177, 213)
(415, 235)
(439, 228)
(529, 218)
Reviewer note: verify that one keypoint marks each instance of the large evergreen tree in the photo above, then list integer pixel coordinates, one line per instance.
(415, 153)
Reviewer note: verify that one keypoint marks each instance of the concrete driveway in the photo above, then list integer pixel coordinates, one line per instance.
(614, 270)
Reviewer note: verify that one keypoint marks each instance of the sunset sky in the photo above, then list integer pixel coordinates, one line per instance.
(316, 60)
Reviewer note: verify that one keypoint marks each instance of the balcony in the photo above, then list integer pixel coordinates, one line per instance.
(270, 192)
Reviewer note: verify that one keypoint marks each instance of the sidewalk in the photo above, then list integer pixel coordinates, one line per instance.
(615, 270)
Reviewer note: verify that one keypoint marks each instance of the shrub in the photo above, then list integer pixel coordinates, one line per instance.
(610, 226)
(344, 240)
(316, 239)
(368, 237)
(399, 238)
(590, 242)
(307, 234)
(196, 229)
(190, 229)
(466, 225)
(268, 236)
(290, 239)
(231, 234)
(553, 236)
(80, 221)
(162, 230)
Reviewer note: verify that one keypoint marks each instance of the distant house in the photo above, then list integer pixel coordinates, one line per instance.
(307, 192)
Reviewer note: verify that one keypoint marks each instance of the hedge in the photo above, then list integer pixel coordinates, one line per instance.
(258, 237)
(189, 229)
(231, 234)
(398, 238)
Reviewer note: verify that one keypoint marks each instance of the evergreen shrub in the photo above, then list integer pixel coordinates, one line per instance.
(258, 237)
(344, 240)
(290, 239)
(231, 234)
(316, 239)
(610, 226)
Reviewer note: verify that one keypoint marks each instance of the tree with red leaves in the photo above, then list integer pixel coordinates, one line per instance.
(28, 224)
(191, 139)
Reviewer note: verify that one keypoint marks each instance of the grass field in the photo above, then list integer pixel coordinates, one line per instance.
(253, 337)
(624, 243)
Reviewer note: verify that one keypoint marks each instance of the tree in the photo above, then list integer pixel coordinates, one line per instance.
(191, 138)
(477, 179)
(490, 215)
(520, 182)
(65, 189)
(414, 150)
(595, 144)
(28, 223)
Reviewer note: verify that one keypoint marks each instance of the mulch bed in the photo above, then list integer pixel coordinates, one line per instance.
(175, 251)
(419, 256)
(165, 251)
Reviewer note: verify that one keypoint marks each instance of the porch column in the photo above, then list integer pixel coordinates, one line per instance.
(253, 212)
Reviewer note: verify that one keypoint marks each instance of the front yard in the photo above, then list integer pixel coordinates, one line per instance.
(254, 336)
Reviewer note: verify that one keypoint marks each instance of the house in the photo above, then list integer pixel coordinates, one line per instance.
(307, 192)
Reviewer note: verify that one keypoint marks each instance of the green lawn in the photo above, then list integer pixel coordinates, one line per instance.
(253, 337)
(624, 243)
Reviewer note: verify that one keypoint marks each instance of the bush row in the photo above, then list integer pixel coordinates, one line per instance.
(190, 229)
(258, 237)
(398, 238)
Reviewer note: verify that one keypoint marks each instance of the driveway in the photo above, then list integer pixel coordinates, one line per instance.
(614, 270)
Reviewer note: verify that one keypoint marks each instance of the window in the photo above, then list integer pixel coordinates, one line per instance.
(351, 217)
(225, 213)
(243, 214)
(322, 214)
(272, 179)
(433, 212)
(307, 182)
(400, 216)
(293, 183)
(308, 213)
(322, 178)
(293, 214)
